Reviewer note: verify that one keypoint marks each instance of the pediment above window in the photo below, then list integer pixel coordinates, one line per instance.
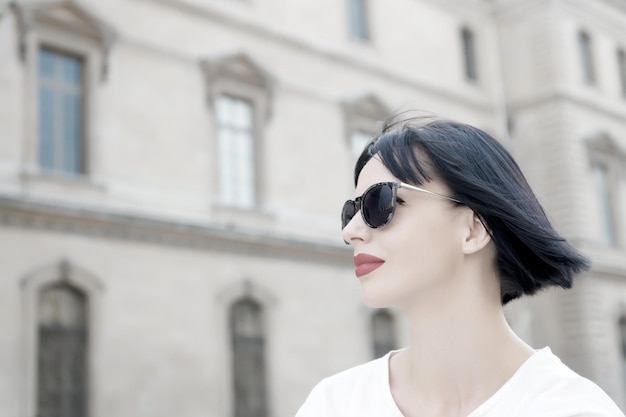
(236, 67)
(605, 144)
(62, 16)
(366, 106)
(238, 75)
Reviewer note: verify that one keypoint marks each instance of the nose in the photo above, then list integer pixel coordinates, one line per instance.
(356, 230)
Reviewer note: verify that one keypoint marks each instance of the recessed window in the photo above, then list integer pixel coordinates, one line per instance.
(248, 346)
(357, 19)
(622, 328)
(469, 54)
(383, 333)
(235, 149)
(61, 112)
(604, 193)
(586, 57)
(621, 67)
(62, 352)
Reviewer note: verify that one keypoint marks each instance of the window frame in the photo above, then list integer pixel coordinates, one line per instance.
(226, 297)
(365, 114)
(604, 151)
(73, 30)
(469, 50)
(357, 12)
(621, 70)
(237, 75)
(586, 58)
(31, 285)
(236, 345)
(82, 145)
(390, 344)
(251, 200)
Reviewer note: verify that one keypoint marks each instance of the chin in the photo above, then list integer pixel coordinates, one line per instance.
(376, 299)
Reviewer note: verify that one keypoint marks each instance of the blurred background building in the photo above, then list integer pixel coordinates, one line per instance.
(171, 174)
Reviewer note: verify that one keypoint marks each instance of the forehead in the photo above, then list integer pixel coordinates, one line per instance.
(373, 172)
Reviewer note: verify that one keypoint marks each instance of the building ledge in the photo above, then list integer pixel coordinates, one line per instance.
(110, 224)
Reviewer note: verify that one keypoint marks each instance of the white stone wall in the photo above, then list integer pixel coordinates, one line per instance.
(146, 223)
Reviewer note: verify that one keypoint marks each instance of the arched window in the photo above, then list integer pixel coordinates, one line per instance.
(248, 345)
(383, 333)
(586, 57)
(62, 352)
(469, 54)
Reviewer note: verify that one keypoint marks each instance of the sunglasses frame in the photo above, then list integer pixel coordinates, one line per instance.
(357, 202)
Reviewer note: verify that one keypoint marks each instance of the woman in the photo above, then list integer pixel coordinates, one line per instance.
(446, 230)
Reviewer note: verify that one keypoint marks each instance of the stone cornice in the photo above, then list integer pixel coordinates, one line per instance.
(40, 215)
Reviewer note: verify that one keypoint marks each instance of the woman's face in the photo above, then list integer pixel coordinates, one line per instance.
(421, 248)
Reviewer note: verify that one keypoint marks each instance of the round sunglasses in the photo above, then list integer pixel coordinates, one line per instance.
(378, 203)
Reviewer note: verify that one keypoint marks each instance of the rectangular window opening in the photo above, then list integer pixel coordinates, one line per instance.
(235, 150)
(61, 127)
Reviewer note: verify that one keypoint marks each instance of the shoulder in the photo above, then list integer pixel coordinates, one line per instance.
(344, 393)
(551, 388)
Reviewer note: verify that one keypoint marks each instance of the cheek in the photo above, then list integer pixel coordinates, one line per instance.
(429, 250)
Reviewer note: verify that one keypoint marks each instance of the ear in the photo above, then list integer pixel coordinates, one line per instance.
(477, 236)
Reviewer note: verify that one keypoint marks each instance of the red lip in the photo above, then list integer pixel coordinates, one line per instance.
(366, 263)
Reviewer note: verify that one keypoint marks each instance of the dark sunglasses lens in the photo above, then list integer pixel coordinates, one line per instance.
(378, 205)
(347, 213)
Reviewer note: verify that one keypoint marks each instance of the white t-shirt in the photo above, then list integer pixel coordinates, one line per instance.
(542, 387)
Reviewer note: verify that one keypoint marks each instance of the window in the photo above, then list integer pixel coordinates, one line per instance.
(240, 93)
(248, 346)
(358, 141)
(62, 352)
(65, 51)
(586, 57)
(235, 150)
(357, 16)
(469, 54)
(603, 186)
(607, 162)
(60, 319)
(362, 117)
(383, 333)
(622, 328)
(621, 65)
(61, 104)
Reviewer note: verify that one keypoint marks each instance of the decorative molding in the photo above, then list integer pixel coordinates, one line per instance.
(32, 214)
(66, 15)
(237, 68)
(246, 289)
(365, 112)
(367, 106)
(31, 285)
(605, 144)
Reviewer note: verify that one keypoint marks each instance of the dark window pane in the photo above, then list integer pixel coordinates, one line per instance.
(383, 333)
(46, 128)
(62, 353)
(60, 112)
(586, 56)
(357, 15)
(248, 344)
(621, 64)
(469, 54)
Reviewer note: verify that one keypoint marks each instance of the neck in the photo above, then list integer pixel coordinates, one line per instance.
(461, 352)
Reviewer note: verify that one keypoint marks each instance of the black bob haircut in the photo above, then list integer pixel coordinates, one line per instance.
(483, 176)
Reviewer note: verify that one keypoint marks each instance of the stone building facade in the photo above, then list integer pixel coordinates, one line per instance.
(171, 173)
